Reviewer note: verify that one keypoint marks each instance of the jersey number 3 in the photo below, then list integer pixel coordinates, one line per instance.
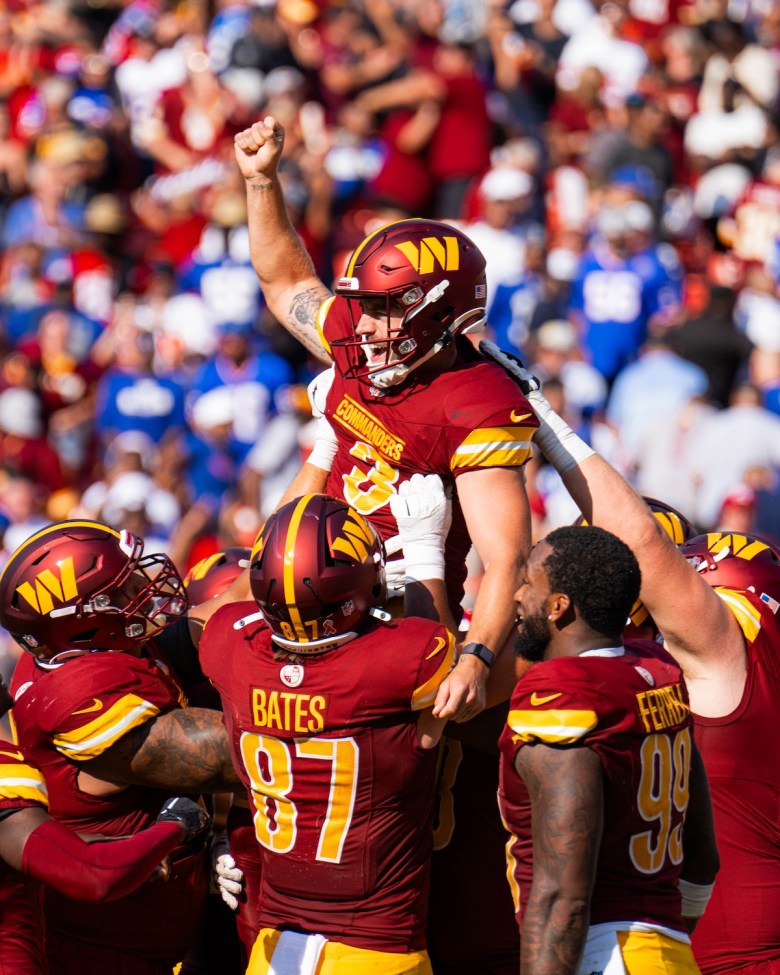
(367, 491)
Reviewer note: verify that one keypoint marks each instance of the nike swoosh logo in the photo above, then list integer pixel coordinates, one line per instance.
(95, 707)
(517, 418)
(14, 755)
(536, 700)
(441, 643)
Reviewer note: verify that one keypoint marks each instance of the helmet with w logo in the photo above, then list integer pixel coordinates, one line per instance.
(316, 571)
(737, 561)
(212, 575)
(80, 586)
(426, 276)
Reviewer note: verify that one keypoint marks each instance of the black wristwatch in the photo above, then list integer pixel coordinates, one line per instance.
(480, 651)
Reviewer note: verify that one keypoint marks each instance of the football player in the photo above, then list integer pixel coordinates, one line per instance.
(100, 711)
(36, 849)
(328, 704)
(718, 615)
(409, 394)
(598, 754)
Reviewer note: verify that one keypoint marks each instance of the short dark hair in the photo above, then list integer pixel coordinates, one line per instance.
(597, 571)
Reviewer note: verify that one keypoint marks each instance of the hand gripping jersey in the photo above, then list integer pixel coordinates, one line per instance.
(63, 718)
(21, 898)
(632, 710)
(342, 794)
(470, 417)
(741, 927)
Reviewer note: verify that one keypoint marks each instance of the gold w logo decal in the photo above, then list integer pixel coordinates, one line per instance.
(356, 538)
(47, 585)
(432, 251)
(257, 548)
(745, 548)
(199, 570)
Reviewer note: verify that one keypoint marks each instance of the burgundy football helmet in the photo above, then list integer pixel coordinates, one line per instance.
(213, 575)
(736, 561)
(317, 570)
(432, 275)
(79, 586)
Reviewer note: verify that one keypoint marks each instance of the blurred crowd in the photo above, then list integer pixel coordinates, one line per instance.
(617, 162)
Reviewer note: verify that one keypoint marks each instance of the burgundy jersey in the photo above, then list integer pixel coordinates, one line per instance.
(741, 752)
(21, 906)
(63, 718)
(632, 710)
(470, 417)
(469, 857)
(342, 793)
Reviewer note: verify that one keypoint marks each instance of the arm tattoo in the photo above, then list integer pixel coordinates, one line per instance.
(186, 750)
(261, 187)
(302, 317)
(565, 785)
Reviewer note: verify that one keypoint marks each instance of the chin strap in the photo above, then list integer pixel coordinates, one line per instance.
(398, 372)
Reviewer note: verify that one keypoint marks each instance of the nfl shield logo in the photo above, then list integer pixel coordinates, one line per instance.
(292, 675)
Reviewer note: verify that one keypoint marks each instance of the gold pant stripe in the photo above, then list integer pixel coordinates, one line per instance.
(341, 959)
(653, 953)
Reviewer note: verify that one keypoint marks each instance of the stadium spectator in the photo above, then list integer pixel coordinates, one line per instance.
(650, 391)
(753, 434)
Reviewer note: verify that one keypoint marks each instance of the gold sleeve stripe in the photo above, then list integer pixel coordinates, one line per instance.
(493, 447)
(94, 738)
(555, 727)
(425, 694)
(511, 866)
(747, 615)
(511, 863)
(23, 782)
(322, 314)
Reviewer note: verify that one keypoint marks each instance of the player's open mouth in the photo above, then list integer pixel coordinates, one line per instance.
(378, 353)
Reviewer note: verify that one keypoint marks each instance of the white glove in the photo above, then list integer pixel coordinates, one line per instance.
(424, 514)
(227, 876)
(318, 390)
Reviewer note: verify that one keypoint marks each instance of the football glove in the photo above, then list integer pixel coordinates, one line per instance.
(187, 813)
(512, 365)
(424, 515)
(227, 876)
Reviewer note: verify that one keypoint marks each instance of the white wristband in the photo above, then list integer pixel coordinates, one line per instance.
(325, 446)
(695, 897)
(423, 561)
(556, 439)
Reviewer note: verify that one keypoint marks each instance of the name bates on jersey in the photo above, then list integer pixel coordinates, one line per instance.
(288, 711)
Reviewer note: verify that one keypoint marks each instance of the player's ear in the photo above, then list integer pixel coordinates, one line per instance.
(558, 606)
